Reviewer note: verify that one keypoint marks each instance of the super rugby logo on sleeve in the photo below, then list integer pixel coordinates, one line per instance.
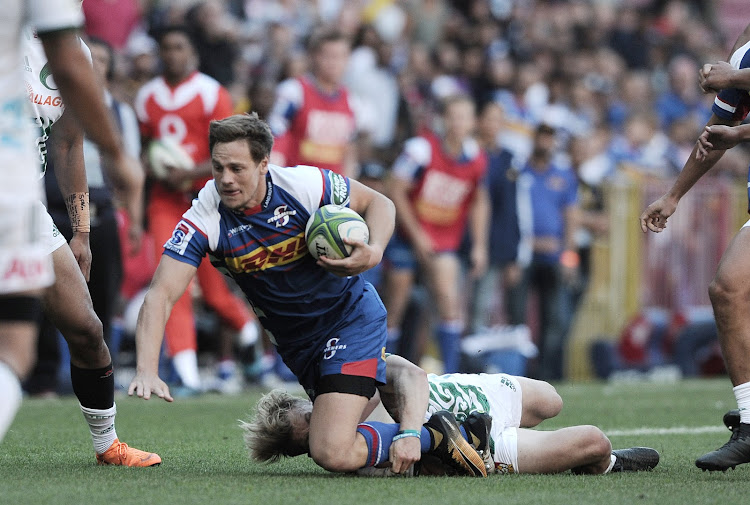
(180, 238)
(339, 189)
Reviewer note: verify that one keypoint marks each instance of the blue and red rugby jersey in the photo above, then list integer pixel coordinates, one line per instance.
(264, 250)
(733, 104)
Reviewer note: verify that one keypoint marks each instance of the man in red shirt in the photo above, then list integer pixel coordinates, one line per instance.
(313, 119)
(179, 105)
(438, 188)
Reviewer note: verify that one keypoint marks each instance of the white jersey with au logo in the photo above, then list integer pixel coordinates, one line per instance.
(24, 262)
(45, 99)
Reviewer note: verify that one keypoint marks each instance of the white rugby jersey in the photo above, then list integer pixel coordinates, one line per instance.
(495, 394)
(45, 16)
(46, 101)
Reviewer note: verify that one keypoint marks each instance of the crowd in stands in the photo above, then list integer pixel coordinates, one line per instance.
(565, 95)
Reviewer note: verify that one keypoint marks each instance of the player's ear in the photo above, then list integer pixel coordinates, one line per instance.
(263, 166)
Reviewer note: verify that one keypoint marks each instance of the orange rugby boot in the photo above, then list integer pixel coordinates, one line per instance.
(121, 454)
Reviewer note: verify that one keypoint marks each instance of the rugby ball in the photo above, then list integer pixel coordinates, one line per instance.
(327, 228)
(167, 152)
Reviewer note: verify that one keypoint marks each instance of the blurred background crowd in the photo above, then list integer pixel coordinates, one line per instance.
(584, 108)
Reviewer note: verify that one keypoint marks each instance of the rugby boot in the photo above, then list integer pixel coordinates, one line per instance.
(732, 419)
(451, 447)
(635, 459)
(733, 453)
(121, 454)
(477, 426)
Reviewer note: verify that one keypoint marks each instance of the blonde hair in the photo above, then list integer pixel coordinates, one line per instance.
(269, 435)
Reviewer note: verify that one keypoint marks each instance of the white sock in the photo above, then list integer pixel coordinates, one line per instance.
(742, 393)
(612, 459)
(10, 397)
(186, 364)
(102, 427)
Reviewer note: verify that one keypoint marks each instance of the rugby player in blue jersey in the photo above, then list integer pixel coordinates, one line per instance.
(328, 324)
(730, 290)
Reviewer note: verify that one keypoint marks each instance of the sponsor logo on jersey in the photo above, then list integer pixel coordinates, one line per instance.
(339, 190)
(180, 238)
(281, 216)
(331, 347)
(239, 229)
(506, 382)
(265, 257)
(45, 77)
(269, 192)
(25, 269)
(40, 99)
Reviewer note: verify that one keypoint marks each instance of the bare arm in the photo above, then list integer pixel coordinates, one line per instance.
(405, 396)
(169, 283)
(655, 216)
(66, 150)
(83, 98)
(379, 214)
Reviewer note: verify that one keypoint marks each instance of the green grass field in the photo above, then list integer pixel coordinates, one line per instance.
(47, 456)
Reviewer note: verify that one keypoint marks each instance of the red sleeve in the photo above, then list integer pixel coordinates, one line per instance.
(224, 107)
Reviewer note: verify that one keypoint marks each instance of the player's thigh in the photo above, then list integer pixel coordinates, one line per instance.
(68, 302)
(333, 429)
(18, 339)
(560, 450)
(733, 273)
(444, 276)
(540, 401)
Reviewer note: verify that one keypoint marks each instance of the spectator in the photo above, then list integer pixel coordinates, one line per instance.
(504, 239)
(548, 213)
(215, 37)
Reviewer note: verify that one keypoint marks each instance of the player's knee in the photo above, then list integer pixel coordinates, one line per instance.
(88, 335)
(726, 288)
(597, 443)
(333, 459)
(553, 402)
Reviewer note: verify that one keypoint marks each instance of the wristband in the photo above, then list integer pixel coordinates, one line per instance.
(78, 212)
(407, 433)
(570, 259)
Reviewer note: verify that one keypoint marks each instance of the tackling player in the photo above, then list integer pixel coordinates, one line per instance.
(495, 410)
(327, 323)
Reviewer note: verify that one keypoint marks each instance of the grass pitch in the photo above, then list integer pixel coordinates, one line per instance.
(47, 456)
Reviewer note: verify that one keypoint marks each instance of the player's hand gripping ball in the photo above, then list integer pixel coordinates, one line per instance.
(327, 228)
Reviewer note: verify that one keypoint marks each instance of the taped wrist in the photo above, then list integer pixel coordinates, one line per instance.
(78, 212)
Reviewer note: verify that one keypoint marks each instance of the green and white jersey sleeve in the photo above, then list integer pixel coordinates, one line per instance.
(46, 102)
